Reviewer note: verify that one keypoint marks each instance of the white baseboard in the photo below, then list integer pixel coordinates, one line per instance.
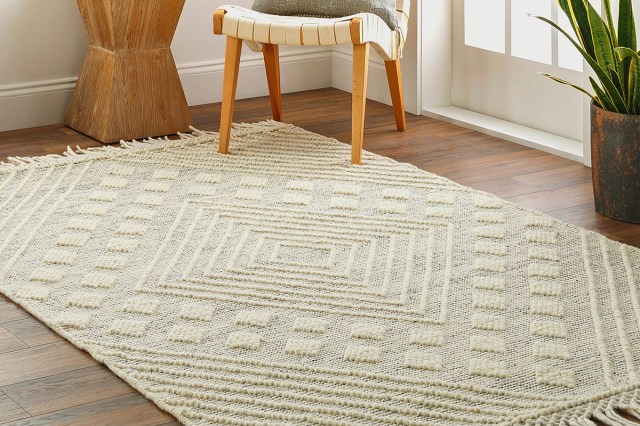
(300, 70)
(533, 138)
(44, 102)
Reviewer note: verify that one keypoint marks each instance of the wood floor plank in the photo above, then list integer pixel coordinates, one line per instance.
(130, 410)
(9, 342)
(490, 167)
(32, 332)
(505, 188)
(10, 411)
(555, 199)
(41, 361)
(65, 390)
(556, 178)
(9, 311)
(586, 217)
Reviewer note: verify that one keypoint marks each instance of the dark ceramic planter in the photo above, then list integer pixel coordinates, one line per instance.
(615, 156)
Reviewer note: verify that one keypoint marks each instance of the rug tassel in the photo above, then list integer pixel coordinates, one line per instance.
(197, 132)
(622, 420)
(13, 161)
(185, 136)
(108, 150)
(633, 412)
(70, 152)
(611, 418)
(45, 159)
(78, 152)
(583, 421)
(21, 160)
(603, 418)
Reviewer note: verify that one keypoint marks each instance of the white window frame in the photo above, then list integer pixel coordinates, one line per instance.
(435, 59)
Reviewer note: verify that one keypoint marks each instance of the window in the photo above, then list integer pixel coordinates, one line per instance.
(510, 27)
(485, 25)
(530, 37)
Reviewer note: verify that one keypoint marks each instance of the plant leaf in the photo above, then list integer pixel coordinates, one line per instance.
(633, 94)
(602, 96)
(561, 81)
(564, 5)
(579, 18)
(618, 82)
(602, 42)
(634, 86)
(612, 28)
(625, 52)
(612, 92)
(627, 25)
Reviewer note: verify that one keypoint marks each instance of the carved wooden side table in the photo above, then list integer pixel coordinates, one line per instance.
(129, 87)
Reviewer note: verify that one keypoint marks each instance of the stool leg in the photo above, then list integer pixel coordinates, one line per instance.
(272, 65)
(394, 75)
(359, 99)
(231, 68)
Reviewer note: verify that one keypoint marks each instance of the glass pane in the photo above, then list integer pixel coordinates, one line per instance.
(530, 37)
(484, 24)
(568, 55)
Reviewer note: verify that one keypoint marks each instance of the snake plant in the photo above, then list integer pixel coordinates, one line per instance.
(611, 52)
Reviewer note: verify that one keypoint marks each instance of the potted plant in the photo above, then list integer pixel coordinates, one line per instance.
(615, 109)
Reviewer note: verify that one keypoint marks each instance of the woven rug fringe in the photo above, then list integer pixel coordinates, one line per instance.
(196, 136)
(607, 410)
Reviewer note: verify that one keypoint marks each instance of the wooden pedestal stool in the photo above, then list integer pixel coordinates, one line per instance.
(129, 86)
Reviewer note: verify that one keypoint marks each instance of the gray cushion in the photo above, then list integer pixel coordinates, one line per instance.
(386, 9)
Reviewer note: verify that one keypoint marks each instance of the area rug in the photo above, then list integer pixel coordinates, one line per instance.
(281, 285)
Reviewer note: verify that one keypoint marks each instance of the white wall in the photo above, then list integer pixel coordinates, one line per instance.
(200, 58)
(43, 43)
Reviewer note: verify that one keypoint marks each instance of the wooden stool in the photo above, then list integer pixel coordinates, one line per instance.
(129, 87)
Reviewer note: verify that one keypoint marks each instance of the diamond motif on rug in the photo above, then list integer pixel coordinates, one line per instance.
(281, 285)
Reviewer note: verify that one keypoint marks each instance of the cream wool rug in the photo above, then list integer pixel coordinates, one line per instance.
(280, 285)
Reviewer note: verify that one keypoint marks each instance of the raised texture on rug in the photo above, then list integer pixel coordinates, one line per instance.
(281, 285)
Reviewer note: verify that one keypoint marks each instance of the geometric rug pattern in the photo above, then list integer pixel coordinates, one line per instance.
(281, 285)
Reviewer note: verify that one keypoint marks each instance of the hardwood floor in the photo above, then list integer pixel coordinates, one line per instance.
(46, 380)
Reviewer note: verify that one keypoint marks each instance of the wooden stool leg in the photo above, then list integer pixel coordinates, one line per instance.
(272, 65)
(231, 68)
(359, 99)
(394, 75)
